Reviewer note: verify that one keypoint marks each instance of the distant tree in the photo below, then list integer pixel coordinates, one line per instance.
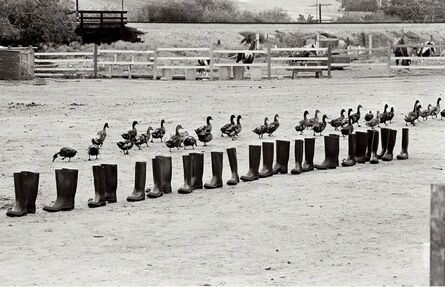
(360, 5)
(416, 10)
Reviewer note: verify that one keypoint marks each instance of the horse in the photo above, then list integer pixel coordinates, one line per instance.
(247, 58)
(401, 52)
(426, 51)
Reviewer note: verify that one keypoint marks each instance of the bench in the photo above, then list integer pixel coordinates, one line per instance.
(318, 70)
(225, 71)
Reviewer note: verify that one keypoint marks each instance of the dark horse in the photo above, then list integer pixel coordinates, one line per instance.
(401, 52)
(247, 58)
(426, 51)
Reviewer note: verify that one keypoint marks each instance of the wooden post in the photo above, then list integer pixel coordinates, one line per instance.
(211, 62)
(370, 44)
(329, 60)
(269, 63)
(95, 60)
(155, 64)
(437, 236)
(389, 59)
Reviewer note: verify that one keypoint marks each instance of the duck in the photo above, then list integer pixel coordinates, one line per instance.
(101, 136)
(273, 126)
(369, 116)
(346, 120)
(189, 141)
(436, 109)
(425, 113)
(65, 152)
(204, 132)
(303, 123)
(390, 115)
(143, 138)
(261, 130)
(175, 140)
(412, 116)
(131, 134)
(235, 130)
(336, 123)
(126, 145)
(346, 130)
(320, 126)
(416, 103)
(356, 116)
(159, 132)
(225, 128)
(374, 122)
(384, 115)
(93, 150)
(313, 120)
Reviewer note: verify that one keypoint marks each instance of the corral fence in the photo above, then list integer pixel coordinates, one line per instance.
(210, 63)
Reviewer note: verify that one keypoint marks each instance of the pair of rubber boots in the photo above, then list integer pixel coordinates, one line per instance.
(331, 151)
(363, 147)
(388, 141)
(26, 185)
(66, 186)
(105, 185)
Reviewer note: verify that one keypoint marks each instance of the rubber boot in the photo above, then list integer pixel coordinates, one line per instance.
(187, 165)
(298, 157)
(19, 208)
(165, 164)
(267, 169)
(369, 146)
(384, 132)
(30, 183)
(197, 170)
(374, 148)
(388, 156)
(66, 186)
(405, 141)
(217, 168)
(309, 148)
(254, 163)
(110, 182)
(337, 151)
(140, 176)
(282, 153)
(231, 154)
(330, 151)
(156, 191)
(99, 187)
(350, 161)
(360, 147)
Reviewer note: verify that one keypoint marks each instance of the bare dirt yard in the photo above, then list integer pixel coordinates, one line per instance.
(363, 225)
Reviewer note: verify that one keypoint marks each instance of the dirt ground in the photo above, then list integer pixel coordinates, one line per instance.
(363, 225)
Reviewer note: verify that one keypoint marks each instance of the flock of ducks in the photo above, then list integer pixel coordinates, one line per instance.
(232, 129)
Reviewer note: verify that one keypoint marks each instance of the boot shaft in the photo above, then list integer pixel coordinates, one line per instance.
(309, 148)
(254, 158)
(330, 148)
(140, 176)
(298, 152)
(99, 182)
(337, 147)
(165, 166)
(231, 154)
(384, 132)
(20, 192)
(388, 156)
(369, 146)
(111, 179)
(374, 148)
(282, 156)
(30, 183)
(361, 145)
(268, 150)
(405, 141)
(187, 166)
(217, 168)
(350, 160)
(197, 170)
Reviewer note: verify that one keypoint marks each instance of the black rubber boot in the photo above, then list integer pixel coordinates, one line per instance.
(30, 183)
(360, 147)
(337, 151)
(231, 154)
(388, 156)
(140, 176)
(369, 146)
(19, 208)
(298, 157)
(374, 148)
(165, 164)
(350, 161)
(66, 185)
(267, 169)
(309, 148)
(254, 163)
(197, 170)
(156, 191)
(330, 151)
(110, 182)
(217, 168)
(384, 132)
(282, 154)
(99, 187)
(405, 141)
(187, 164)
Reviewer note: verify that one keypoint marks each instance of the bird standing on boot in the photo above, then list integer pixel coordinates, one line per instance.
(273, 126)
(204, 132)
(347, 129)
(189, 141)
(261, 130)
(336, 123)
(225, 128)
(303, 123)
(319, 127)
(384, 115)
(159, 132)
(369, 116)
(235, 130)
(356, 116)
(131, 134)
(65, 152)
(93, 150)
(101, 136)
(390, 115)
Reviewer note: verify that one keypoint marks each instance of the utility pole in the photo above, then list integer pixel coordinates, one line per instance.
(319, 9)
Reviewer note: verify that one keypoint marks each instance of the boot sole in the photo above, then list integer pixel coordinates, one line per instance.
(154, 196)
(59, 209)
(16, 214)
(135, 199)
(98, 204)
(249, 179)
(213, 186)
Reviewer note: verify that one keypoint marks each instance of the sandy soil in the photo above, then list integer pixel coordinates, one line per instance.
(364, 225)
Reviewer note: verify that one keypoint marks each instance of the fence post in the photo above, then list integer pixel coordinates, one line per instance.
(211, 62)
(95, 60)
(370, 44)
(269, 62)
(155, 64)
(388, 64)
(437, 236)
(329, 60)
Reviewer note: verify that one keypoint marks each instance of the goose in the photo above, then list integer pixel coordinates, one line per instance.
(303, 123)
(336, 123)
(204, 132)
(320, 126)
(65, 152)
(261, 130)
(235, 130)
(225, 128)
(356, 116)
(131, 134)
(101, 136)
(159, 132)
(273, 126)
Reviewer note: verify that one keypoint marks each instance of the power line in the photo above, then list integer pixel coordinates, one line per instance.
(319, 9)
